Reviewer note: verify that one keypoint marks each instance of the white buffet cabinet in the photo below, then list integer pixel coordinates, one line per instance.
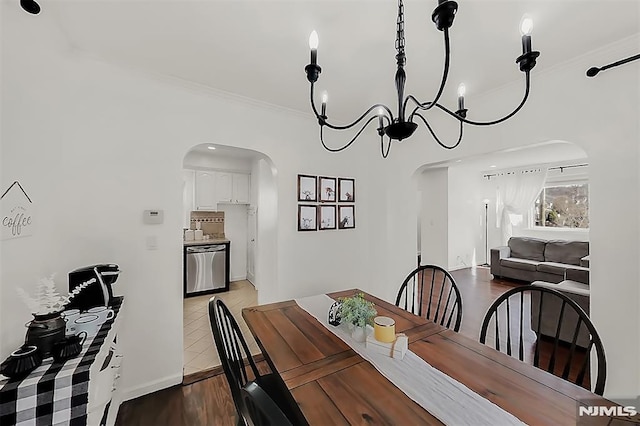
(104, 393)
(82, 390)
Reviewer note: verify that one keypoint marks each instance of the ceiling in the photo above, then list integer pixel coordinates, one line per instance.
(258, 49)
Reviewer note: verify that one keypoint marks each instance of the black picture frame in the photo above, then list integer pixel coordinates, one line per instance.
(346, 190)
(346, 217)
(307, 188)
(326, 217)
(327, 188)
(307, 217)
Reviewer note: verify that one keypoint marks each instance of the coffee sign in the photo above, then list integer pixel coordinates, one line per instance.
(16, 212)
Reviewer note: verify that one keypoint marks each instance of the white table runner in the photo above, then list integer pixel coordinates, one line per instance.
(448, 400)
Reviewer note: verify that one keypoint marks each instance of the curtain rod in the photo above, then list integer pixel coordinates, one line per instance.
(561, 168)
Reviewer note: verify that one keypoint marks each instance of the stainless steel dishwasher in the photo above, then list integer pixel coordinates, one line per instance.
(206, 268)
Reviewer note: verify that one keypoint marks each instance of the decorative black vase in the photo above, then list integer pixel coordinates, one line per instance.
(21, 362)
(69, 347)
(44, 331)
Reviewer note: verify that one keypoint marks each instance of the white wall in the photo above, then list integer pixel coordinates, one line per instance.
(434, 239)
(96, 144)
(235, 229)
(466, 219)
(266, 258)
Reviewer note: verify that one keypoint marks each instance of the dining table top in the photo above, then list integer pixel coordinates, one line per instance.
(333, 384)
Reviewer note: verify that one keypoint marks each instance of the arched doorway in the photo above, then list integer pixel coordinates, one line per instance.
(462, 193)
(232, 193)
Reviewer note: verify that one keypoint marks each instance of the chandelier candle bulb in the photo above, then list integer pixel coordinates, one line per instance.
(461, 91)
(526, 27)
(313, 45)
(325, 97)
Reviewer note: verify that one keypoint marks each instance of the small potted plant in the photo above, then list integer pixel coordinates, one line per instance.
(47, 327)
(358, 313)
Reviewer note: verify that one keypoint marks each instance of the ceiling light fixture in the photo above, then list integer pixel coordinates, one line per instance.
(211, 147)
(403, 125)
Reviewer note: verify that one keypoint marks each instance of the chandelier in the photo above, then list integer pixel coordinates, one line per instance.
(410, 109)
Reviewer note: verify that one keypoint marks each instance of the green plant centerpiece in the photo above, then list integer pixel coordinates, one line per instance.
(357, 312)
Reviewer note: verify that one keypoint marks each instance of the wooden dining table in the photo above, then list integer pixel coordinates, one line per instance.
(333, 385)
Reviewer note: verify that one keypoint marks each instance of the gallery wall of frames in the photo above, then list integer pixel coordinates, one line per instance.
(326, 203)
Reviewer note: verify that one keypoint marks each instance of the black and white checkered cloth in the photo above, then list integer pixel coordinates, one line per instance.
(54, 393)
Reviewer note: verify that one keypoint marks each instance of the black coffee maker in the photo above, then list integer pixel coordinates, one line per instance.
(91, 286)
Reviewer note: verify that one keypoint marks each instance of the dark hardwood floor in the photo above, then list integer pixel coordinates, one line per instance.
(208, 401)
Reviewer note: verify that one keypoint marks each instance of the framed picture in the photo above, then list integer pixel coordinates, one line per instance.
(307, 187)
(307, 216)
(327, 217)
(346, 217)
(327, 189)
(346, 190)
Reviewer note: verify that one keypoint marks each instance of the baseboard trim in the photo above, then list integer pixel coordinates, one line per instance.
(151, 387)
(456, 268)
(238, 278)
(213, 371)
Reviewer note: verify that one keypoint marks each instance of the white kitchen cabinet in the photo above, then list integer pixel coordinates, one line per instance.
(241, 188)
(224, 187)
(232, 187)
(206, 198)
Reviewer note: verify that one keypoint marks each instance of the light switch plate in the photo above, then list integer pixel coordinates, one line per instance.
(152, 242)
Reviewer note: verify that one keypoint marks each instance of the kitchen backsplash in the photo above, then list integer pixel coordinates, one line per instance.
(211, 223)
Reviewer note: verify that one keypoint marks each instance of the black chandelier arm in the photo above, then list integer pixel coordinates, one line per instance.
(435, 137)
(349, 143)
(419, 105)
(324, 122)
(491, 123)
(443, 82)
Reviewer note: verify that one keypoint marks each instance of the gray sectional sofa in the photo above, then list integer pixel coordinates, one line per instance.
(534, 259)
(560, 265)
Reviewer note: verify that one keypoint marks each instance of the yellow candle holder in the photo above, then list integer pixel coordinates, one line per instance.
(384, 329)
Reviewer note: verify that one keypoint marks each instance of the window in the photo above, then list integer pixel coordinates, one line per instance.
(563, 206)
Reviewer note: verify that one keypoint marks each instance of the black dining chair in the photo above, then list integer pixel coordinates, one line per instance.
(518, 314)
(431, 292)
(236, 358)
(260, 409)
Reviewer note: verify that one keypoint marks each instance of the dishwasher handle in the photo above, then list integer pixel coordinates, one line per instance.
(204, 249)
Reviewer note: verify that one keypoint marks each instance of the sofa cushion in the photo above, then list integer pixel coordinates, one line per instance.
(527, 248)
(569, 252)
(584, 262)
(525, 264)
(552, 268)
(578, 273)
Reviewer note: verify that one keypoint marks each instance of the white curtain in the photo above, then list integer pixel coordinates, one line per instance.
(517, 191)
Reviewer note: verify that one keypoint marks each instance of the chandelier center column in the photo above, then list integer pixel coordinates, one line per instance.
(401, 60)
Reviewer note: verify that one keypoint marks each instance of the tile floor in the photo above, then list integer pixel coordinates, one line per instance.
(199, 350)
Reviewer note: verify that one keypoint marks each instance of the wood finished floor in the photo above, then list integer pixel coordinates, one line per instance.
(208, 401)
